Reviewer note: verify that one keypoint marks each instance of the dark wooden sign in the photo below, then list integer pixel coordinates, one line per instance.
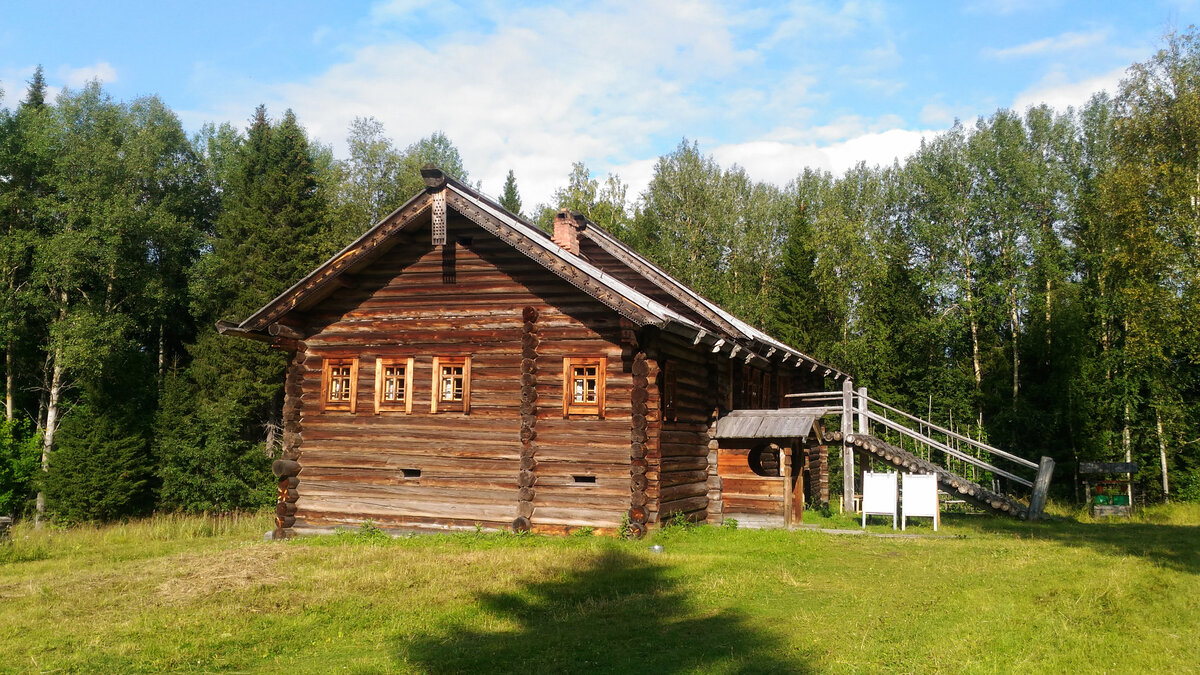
(1107, 467)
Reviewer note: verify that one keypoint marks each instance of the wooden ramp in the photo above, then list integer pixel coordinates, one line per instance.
(948, 482)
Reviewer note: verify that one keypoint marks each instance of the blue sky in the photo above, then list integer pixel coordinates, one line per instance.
(535, 86)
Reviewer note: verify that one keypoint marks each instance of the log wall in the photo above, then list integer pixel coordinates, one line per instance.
(472, 298)
(682, 470)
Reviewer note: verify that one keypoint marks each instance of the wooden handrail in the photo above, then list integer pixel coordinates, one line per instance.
(966, 439)
(946, 449)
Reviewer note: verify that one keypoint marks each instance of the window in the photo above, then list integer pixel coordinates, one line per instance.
(583, 386)
(669, 406)
(393, 384)
(339, 384)
(451, 384)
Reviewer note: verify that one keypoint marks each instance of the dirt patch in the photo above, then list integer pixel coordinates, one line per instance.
(203, 575)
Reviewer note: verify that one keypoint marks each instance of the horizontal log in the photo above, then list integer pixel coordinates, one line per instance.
(682, 491)
(688, 505)
(667, 479)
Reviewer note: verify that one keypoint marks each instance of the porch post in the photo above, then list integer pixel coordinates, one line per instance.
(847, 452)
(1041, 485)
(864, 425)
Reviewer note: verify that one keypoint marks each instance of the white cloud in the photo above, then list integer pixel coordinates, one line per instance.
(545, 88)
(614, 84)
(77, 77)
(780, 161)
(1059, 91)
(1066, 42)
(1008, 6)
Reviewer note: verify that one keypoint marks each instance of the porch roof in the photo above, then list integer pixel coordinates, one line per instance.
(785, 423)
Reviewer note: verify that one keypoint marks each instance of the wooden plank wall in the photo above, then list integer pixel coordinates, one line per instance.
(424, 302)
(751, 499)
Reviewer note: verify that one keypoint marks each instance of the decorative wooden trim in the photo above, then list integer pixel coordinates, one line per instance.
(324, 384)
(435, 400)
(327, 365)
(381, 363)
(570, 406)
(439, 218)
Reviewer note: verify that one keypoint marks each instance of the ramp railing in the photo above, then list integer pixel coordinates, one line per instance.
(970, 457)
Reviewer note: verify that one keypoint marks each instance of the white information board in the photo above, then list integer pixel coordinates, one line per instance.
(879, 496)
(920, 498)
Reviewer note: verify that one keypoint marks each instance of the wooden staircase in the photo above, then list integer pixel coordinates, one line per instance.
(948, 482)
(861, 414)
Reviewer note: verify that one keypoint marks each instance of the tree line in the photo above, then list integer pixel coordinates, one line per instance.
(124, 242)
(1029, 278)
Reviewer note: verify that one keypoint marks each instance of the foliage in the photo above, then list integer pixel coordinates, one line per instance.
(100, 469)
(206, 462)
(217, 416)
(20, 459)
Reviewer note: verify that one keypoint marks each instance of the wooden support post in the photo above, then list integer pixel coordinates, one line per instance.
(785, 470)
(847, 451)
(1041, 485)
(864, 424)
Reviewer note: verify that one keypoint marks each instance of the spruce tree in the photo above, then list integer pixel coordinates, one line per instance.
(274, 227)
(511, 199)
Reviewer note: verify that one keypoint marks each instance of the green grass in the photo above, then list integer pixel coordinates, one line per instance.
(984, 595)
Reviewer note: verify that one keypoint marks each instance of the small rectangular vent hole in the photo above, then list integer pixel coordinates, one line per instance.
(411, 473)
(584, 479)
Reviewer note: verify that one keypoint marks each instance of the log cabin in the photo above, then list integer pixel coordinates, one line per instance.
(457, 367)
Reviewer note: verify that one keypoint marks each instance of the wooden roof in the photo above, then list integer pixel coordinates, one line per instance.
(786, 423)
(718, 330)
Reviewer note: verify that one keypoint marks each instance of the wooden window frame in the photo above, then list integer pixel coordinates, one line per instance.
(436, 403)
(570, 407)
(327, 366)
(382, 405)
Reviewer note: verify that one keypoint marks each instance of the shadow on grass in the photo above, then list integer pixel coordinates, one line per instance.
(619, 614)
(1174, 546)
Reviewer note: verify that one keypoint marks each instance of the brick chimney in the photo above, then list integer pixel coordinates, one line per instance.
(566, 229)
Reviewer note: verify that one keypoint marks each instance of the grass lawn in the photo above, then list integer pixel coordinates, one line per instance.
(985, 595)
